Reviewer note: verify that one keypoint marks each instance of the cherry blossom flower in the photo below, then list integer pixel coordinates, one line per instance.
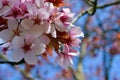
(4, 7)
(65, 59)
(75, 33)
(35, 23)
(29, 28)
(40, 10)
(13, 30)
(60, 22)
(5, 48)
(26, 48)
(66, 16)
(35, 29)
(18, 10)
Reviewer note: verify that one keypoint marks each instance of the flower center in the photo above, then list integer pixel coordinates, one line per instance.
(37, 20)
(16, 32)
(26, 48)
(5, 3)
(64, 18)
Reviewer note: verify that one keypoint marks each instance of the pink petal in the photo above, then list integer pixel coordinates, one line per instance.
(32, 10)
(39, 3)
(17, 55)
(22, 31)
(49, 6)
(4, 10)
(65, 49)
(39, 49)
(12, 24)
(44, 39)
(42, 48)
(36, 30)
(76, 42)
(67, 61)
(46, 27)
(76, 32)
(43, 13)
(29, 39)
(18, 42)
(59, 25)
(27, 23)
(30, 58)
(53, 32)
(1, 5)
(66, 10)
(6, 34)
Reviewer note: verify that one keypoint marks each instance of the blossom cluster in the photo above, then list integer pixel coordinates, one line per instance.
(32, 28)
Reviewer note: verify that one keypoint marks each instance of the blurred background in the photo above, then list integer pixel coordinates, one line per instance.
(99, 53)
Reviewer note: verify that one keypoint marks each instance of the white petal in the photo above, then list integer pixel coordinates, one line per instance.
(36, 30)
(49, 6)
(1, 5)
(39, 29)
(76, 42)
(46, 27)
(4, 10)
(43, 13)
(41, 49)
(12, 24)
(29, 39)
(68, 61)
(38, 47)
(18, 42)
(76, 32)
(74, 53)
(27, 23)
(17, 55)
(22, 1)
(32, 10)
(59, 26)
(44, 39)
(39, 3)
(30, 58)
(66, 10)
(53, 32)
(65, 61)
(6, 34)
(22, 31)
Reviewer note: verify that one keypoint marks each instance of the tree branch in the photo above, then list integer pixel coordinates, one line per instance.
(109, 4)
(98, 7)
(12, 63)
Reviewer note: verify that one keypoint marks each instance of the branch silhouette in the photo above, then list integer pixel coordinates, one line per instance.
(98, 7)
